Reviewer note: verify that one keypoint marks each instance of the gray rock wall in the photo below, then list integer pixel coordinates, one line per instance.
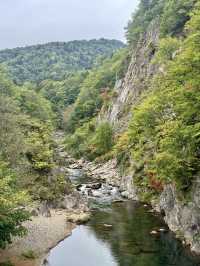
(136, 81)
(183, 218)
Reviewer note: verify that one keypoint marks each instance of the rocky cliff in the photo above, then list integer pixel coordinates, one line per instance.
(182, 215)
(140, 71)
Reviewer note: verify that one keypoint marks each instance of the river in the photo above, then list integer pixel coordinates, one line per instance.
(119, 234)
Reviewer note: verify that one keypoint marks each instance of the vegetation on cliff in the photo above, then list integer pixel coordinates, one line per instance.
(172, 15)
(163, 136)
(82, 126)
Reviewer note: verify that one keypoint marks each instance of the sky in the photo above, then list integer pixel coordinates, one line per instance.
(27, 22)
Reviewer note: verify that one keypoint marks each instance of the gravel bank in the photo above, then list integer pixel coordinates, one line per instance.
(43, 234)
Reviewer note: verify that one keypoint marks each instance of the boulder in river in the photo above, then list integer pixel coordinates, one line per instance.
(94, 186)
(78, 218)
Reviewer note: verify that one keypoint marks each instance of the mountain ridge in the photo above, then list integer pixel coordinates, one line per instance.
(54, 60)
(59, 42)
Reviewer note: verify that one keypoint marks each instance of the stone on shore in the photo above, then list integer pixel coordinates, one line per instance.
(78, 218)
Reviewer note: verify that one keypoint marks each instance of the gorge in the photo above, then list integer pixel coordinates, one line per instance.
(109, 132)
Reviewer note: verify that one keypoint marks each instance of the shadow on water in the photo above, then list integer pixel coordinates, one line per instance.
(120, 236)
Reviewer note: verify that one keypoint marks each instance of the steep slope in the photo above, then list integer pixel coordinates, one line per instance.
(138, 111)
(56, 60)
(140, 71)
(158, 154)
(151, 119)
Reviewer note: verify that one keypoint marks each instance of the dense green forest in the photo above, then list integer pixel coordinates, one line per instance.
(30, 112)
(56, 60)
(26, 154)
(67, 85)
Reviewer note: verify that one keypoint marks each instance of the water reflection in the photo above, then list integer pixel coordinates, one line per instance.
(126, 243)
(83, 248)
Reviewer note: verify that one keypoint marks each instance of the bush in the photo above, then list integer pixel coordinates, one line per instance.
(12, 215)
(91, 142)
(103, 140)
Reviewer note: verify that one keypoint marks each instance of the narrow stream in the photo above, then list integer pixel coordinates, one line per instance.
(119, 235)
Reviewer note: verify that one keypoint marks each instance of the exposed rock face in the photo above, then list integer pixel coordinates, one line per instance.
(110, 174)
(140, 71)
(182, 218)
(128, 91)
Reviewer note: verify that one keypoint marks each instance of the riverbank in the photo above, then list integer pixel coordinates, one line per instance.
(122, 233)
(43, 234)
(182, 216)
(104, 184)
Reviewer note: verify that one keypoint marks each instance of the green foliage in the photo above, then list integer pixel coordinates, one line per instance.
(147, 11)
(38, 140)
(55, 60)
(175, 15)
(34, 104)
(84, 137)
(25, 148)
(50, 191)
(63, 93)
(77, 144)
(91, 141)
(26, 127)
(11, 198)
(6, 86)
(172, 14)
(168, 47)
(103, 139)
(164, 134)
(99, 81)
(11, 136)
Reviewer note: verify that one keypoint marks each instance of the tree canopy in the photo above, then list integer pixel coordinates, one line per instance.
(56, 60)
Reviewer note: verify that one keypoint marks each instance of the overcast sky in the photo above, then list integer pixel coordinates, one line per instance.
(25, 22)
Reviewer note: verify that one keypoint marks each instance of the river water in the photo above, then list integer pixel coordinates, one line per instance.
(120, 235)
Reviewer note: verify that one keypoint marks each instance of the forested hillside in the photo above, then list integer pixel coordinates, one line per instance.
(139, 106)
(26, 155)
(56, 60)
(30, 113)
(147, 123)
(164, 130)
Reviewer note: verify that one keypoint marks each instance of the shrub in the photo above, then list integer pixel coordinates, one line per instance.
(103, 139)
(12, 215)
